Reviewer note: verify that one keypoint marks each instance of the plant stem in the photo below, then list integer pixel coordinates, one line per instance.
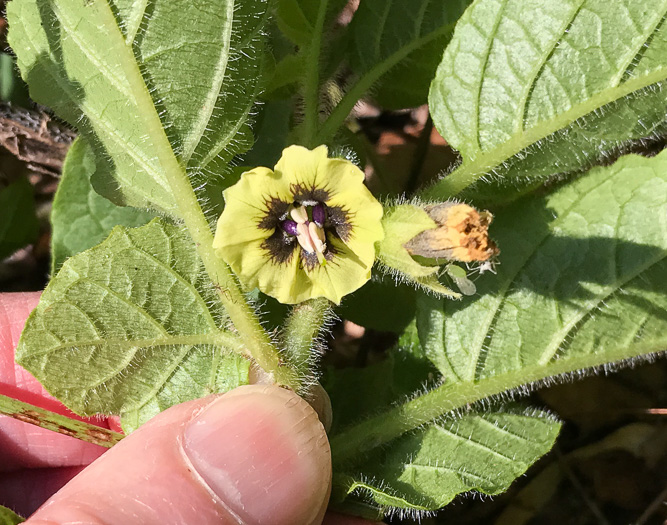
(311, 84)
(361, 87)
(241, 314)
(58, 423)
(255, 338)
(302, 327)
(356, 441)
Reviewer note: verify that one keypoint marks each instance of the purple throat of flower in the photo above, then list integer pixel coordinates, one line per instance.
(305, 221)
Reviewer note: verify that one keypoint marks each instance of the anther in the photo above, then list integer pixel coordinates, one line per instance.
(299, 214)
(289, 227)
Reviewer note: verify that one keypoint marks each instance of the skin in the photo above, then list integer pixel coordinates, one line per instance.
(255, 455)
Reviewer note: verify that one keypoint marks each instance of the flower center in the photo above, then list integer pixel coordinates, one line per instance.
(307, 225)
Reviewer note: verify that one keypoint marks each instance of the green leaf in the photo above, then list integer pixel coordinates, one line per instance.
(410, 34)
(123, 72)
(481, 451)
(383, 34)
(80, 217)
(12, 88)
(527, 90)
(18, 222)
(581, 284)
(356, 392)
(297, 19)
(9, 517)
(131, 327)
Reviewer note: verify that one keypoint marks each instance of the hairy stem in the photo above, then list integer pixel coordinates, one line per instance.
(337, 117)
(302, 327)
(311, 83)
(58, 423)
(255, 338)
(357, 440)
(241, 314)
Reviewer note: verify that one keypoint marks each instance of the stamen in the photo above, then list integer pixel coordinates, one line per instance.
(300, 214)
(318, 215)
(317, 236)
(289, 227)
(304, 238)
(307, 225)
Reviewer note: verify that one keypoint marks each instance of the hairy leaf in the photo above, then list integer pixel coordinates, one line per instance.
(8, 517)
(18, 222)
(408, 33)
(80, 217)
(124, 72)
(526, 90)
(481, 451)
(581, 283)
(130, 327)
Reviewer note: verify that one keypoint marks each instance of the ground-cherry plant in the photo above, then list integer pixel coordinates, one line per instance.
(216, 177)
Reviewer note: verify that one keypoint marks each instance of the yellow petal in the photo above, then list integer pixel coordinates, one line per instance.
(246, 205)
(300, 166)
(344, 274)
(243, 228)
(364, 212)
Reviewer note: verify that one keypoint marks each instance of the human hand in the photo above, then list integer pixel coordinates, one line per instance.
(257, 454)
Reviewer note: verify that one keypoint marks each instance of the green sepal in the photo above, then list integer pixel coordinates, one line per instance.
(402, 223)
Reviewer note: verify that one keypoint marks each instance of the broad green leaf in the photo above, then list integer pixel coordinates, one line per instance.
(131, 327)
(528, 89)
(80, 217)
(126, 72)
(582, 281)
(18, 222)
(410, 34)
(484, 451)
(481, 450)
(298, 19)
(9, 517)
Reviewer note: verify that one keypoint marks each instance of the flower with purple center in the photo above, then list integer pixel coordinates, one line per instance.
(306, 229)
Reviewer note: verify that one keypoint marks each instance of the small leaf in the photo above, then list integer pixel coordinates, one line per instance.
(410, 34)
(80, 217)
(18, 222)
(481, 451)
(131, 327)
(12, 88)
(526, 90)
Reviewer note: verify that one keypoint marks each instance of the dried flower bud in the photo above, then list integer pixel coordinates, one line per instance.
(462, 234)
(419, 239)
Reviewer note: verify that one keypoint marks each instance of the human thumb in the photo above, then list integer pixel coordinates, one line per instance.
(255, 455)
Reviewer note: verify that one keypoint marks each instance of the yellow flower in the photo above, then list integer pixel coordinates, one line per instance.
(306, 229)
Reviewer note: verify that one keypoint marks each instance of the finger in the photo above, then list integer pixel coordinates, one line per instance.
(25, 445)
(258, 454)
